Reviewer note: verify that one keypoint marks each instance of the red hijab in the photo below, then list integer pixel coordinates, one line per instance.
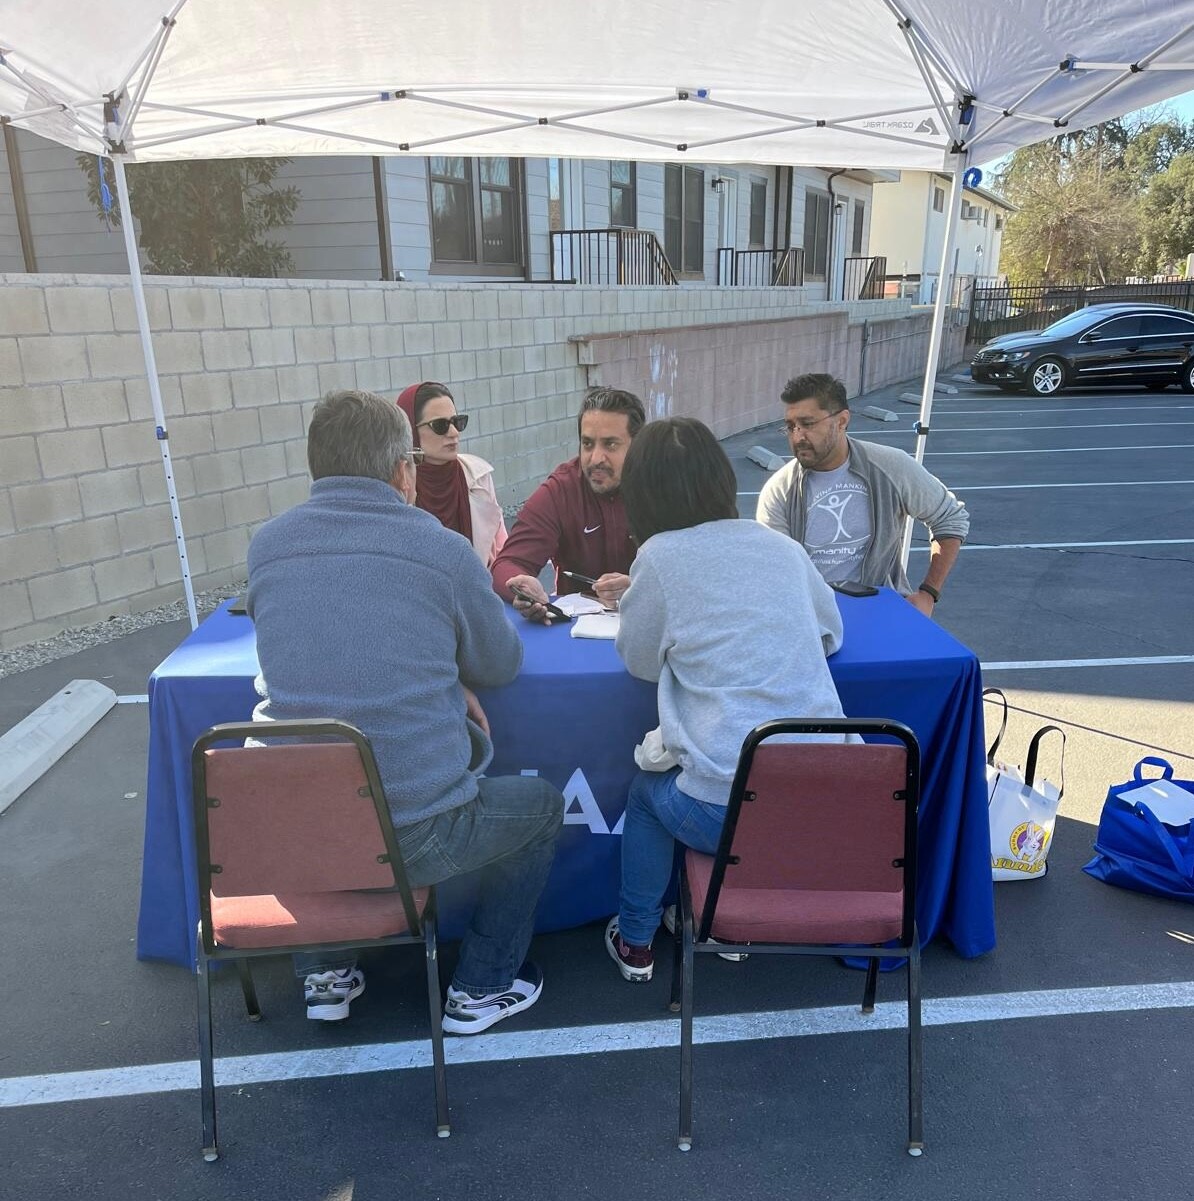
(440, 488)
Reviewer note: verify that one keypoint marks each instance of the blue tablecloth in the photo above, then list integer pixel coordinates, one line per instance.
(573, 716)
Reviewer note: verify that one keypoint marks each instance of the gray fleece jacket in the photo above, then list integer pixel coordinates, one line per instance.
(898, 487)
(367, 609)
(734, 623)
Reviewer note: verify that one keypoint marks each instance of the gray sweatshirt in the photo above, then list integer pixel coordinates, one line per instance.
(898, 486)
(734, 623)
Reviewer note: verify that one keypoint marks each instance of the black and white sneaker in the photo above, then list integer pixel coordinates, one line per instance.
(328, 993)
(466, 1014)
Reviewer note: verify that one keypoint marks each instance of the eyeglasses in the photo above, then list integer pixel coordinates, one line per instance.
(790, 427)
(414, 456)
(439, 425)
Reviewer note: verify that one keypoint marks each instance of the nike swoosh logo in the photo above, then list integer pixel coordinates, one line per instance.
(594, 528)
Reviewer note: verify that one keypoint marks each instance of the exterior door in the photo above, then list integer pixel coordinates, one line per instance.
(1109, 351)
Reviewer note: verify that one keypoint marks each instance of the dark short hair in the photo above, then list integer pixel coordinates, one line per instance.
(357, 433)
(429, 390)
(828, 392)
(613, 400)
(676, 476)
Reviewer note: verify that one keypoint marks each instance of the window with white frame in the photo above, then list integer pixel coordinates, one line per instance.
(856, 237)
(758, 214)
(684, 218)
(817, 207)
(622, 207)
(938, 199)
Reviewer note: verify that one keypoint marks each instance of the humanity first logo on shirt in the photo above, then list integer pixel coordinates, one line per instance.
(838, 527)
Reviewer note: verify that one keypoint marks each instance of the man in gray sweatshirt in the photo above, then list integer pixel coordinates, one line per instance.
(369, 610)
(846, 501)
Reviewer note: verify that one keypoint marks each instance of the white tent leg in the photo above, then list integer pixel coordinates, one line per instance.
(151, 372)
(937, 333)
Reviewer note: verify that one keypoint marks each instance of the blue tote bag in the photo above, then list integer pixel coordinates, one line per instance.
(1134, 849)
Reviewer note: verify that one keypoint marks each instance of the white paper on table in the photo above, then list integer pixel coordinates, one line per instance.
(595, 625)
(576, 603)
(1173, 805)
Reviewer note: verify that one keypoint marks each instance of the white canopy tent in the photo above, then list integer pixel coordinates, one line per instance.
(885, 84)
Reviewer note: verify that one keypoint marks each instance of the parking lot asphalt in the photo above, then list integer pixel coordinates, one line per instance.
(1056, 1066)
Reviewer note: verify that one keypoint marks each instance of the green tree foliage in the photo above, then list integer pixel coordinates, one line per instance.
(1168, 215)
(1090, 208)
(209, 217)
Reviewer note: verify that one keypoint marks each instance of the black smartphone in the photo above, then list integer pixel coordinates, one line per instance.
(848, 589)
(552, 611)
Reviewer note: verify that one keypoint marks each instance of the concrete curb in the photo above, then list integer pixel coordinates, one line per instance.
(35, 744)
(879, 414)
(764, 458)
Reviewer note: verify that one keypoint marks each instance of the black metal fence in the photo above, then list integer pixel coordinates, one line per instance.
(609, 256)
(760, 268)
(1010, 309)
(863, 277)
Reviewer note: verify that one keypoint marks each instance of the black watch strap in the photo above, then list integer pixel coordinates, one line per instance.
(931, 591)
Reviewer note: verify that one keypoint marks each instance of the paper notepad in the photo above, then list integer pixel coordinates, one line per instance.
(595, 625)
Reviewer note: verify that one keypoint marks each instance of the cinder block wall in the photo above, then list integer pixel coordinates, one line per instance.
(85, 529)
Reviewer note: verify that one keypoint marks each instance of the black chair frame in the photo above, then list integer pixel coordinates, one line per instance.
(422, 930)
(692, 933)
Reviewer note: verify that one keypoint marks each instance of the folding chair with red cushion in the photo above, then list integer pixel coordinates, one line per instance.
(296, 852)
(817, 857)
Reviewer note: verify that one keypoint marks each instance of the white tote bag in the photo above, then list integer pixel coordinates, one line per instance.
(1022, 808)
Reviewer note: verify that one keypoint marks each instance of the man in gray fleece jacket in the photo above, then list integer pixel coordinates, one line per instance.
(847, 501)
(367, 609)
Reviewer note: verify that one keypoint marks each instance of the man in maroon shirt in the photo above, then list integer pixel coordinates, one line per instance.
(575, 518)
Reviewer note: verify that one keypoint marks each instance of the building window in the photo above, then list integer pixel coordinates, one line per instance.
(758, 213)
(859, 225)
(622, 207)
(684, 218)
(476, 215)
(816, 233)
(938, 199)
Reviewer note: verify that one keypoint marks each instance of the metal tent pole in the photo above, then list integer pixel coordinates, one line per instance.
(151, 372)
(937, 333)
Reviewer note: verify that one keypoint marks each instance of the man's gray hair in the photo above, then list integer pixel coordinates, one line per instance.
(357, 433)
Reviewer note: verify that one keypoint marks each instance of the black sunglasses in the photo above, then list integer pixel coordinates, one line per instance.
(439, 425)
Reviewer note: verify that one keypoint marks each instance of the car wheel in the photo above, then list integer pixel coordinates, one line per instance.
(1157, 385)
(1046, 377)
(1188, 377)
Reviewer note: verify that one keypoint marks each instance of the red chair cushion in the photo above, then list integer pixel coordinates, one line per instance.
(295, 919)
(795, 915)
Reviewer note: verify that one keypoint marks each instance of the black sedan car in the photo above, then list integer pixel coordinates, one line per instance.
(1149, 344)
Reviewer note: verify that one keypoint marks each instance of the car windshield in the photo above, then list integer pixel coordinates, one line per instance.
(1072, 322)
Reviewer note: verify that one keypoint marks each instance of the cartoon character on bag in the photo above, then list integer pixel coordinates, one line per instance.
(1028, 842)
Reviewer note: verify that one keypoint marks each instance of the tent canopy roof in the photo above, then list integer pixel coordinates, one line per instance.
(858, 83)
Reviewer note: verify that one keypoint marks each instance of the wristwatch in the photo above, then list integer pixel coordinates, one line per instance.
(931, 591)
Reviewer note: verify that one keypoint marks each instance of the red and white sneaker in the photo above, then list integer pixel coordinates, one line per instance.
(635, 963)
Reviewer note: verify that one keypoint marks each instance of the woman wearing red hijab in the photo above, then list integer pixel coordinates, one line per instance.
(457, 488)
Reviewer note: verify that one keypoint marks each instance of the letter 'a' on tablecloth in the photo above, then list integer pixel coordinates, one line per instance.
(574, 716)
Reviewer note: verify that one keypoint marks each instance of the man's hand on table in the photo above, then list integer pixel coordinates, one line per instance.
(531, 610)
(609, 588)
(921, 601)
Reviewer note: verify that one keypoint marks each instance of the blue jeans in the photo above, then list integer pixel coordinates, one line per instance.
(508, 833)
(657, 815)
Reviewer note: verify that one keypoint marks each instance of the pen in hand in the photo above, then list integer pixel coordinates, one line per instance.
(580, 579)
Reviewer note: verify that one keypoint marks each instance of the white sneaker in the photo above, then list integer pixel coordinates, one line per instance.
(328, 993)
(466, 1014)
(669, 920)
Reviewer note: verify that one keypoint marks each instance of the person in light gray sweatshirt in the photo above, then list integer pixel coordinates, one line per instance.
(846, 501)
(734, 623)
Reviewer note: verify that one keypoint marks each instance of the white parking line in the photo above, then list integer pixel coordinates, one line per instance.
(567, 1041)
(1015, 429)
(1046, 664)
(1090, 484)
(1093, 409)
(1118, 448)
(1064, 545)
